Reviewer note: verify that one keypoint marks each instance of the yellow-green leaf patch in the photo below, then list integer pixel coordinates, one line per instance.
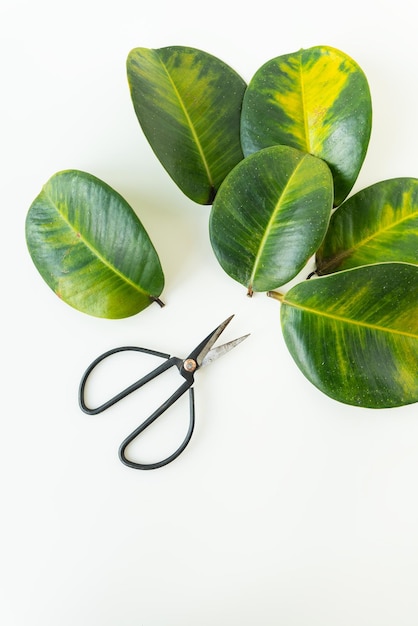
(188, 104)
(317, 100)
(270, 216)
(377, 224)
(90, 247)
(354, 334)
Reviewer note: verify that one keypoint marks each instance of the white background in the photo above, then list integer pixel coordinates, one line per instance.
(287, 508)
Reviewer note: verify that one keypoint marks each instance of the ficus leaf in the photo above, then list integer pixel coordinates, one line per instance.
(90, 247)
(354, 334)
(188, 104)
(377, 224)
(270, 215)
(316, 100)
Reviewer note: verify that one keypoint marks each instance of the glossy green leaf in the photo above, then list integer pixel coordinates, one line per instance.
(270, 216)
(354, 334)
(316, 100)
(377, 224)
(90, 247)
(188, 104)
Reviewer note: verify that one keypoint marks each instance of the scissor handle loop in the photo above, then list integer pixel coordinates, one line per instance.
(170, 361)
(187, 385)
(166, 405)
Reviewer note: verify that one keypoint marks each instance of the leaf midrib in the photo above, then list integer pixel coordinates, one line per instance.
(82, 238)
(270, 223)
(191, 125)
(348, 252)
(304, 108)
(346, 320)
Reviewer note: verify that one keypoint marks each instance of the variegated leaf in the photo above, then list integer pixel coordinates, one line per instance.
(354, 334)
(90, 247)
(377, 224)
(316, 100)
(188, 104)
(270, 216)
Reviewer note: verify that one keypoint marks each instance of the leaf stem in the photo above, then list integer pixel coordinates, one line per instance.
(276, 295)
(158, 301)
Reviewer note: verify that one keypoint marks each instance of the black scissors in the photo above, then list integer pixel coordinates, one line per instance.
(200, 356)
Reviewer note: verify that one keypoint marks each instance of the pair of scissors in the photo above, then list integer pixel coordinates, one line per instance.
(202, 355)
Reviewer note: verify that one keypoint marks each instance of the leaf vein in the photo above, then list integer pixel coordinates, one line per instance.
(347, 320)
(270, 224)
(80, 237)
(191, 126)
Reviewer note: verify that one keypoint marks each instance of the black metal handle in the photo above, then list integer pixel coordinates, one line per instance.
(187, 385)
(125, 392)
(166, 405)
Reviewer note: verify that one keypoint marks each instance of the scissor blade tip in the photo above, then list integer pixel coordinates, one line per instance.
(224, 324)
(242, 338)
(215, 353)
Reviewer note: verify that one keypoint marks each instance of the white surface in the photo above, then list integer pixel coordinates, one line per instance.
(287, 508)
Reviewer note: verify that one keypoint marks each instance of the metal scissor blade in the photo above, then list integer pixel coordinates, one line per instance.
(215, 353)
(199, 353)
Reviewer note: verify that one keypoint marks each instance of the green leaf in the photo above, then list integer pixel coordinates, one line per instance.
(379, 223)
(316, 100)
(354, 334)
(188, 104)
(270, 216)
(90, 247)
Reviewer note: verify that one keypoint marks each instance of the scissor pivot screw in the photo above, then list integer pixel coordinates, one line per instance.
(190, 365)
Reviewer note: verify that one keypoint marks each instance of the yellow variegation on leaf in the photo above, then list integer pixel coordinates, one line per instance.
(354, 334)
(188, 104)
(317, 100)
(379, 223)
(270, 216)
(91, 248)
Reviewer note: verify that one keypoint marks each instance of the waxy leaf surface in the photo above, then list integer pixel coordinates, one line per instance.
(91, 248)
(377, 224)
(316, 100)
(188, 104)
(270, 216)
(354, 334)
